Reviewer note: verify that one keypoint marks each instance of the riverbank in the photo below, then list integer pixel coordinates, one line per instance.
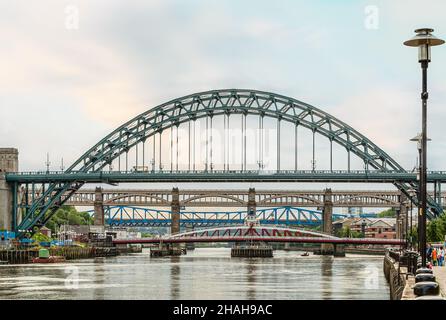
(364, 251)
(396, 278)
(15, 256)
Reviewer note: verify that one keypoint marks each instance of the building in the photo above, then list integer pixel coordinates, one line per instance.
(382, 228)
(45, 231)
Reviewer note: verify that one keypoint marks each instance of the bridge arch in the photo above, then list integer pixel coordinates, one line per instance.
(251, 230)
(195, 199)
(209, 104)
(122, 198)
(383, 200)
(280, 197)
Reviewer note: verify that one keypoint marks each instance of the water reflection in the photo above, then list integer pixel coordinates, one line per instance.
(251, 279)
(327, 275)
(99, 277)
(175, 277)
(205, 273)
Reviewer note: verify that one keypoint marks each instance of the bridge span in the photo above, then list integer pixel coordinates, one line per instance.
(259, 234)
(136, 152)
(238, 198)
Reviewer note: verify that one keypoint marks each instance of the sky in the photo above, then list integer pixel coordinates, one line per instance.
(72, 71)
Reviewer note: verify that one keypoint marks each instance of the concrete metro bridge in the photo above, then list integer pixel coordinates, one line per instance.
(112, 158)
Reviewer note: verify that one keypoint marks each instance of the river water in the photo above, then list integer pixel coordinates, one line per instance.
(205, 273)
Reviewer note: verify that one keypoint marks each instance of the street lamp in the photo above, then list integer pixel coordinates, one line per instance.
(418, 139)
(412, 193)
(423, 40)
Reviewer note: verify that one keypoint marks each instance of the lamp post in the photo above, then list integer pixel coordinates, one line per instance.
(418, 139)
(423, 40)
(412, 193)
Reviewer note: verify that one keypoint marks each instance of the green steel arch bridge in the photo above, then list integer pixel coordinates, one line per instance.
(121, 156)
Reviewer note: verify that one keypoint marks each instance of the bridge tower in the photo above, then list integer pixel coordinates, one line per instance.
(252, 206)
(327, 227)
(9, 162)
(98, 207)
(175, 211)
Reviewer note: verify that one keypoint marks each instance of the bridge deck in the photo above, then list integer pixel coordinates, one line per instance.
(358, 241)
(225, 176)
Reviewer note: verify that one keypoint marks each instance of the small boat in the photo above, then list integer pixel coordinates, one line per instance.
(50, 259)
(306, 254)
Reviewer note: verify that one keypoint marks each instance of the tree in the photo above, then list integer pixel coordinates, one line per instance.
(40, 237)
(436, 229)
(345, 232)
(68, 215)
(389, 213)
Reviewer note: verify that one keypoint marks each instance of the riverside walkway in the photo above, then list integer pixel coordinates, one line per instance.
(440, 274)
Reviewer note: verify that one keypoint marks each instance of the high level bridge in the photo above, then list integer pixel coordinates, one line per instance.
(160, 145)
(238, 198)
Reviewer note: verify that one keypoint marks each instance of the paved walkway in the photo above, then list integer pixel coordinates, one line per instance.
(440, 274)
(408, 288)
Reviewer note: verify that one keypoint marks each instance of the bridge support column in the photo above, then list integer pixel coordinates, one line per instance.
(327, 227)
(5, 204)
(9, 162)
(401, 217)
(99, 219)
(339, 250)
(190, 245)
(252, 206)
(175, 211)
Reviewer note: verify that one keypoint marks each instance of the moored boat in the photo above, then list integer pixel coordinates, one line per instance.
(50, 259)
(44, 257)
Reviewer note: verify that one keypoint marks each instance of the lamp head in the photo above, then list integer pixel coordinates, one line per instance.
(424, 39)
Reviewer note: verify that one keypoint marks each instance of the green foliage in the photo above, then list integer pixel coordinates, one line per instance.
(68, 215)
(146, 235)
(40, 237)
(389, 213)
(413, 235)
(345, 232)
(436, 229)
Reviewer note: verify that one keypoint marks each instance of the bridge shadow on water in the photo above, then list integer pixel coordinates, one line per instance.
(175, 276)
(326, 275)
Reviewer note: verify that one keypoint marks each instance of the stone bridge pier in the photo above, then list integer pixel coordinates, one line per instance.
(9, 162)
(99, 219)
(175, 211)
(327, 226)
(327, 212)
(252, 205)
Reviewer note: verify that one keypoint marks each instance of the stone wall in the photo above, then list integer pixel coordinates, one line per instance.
(396, 281)
(9, 162)
(5, 204)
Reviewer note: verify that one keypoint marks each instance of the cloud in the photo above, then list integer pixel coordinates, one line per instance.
(126, 58)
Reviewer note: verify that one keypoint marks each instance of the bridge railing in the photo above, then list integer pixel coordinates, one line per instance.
(223, 172)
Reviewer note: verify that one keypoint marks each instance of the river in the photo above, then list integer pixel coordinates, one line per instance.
(205, 273)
